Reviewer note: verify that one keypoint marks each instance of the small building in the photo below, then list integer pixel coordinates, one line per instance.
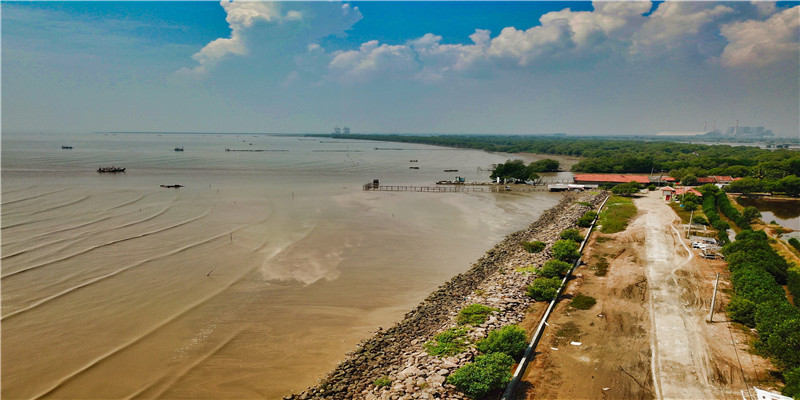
(667, 193)
(599, 179)
(680, 191)
(703, 180)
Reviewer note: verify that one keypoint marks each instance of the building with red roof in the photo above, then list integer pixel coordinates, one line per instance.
(597, 179)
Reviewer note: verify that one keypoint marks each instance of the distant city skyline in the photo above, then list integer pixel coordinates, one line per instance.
(604, 68)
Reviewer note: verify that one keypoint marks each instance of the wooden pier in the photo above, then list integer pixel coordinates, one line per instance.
(455, 188)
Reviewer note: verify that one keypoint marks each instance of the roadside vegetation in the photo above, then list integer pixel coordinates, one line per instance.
(582, 302)
(448, 343)
(616, 214)
(759, 301)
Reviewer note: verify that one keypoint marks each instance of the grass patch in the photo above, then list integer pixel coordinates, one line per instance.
(602, 239)
(601, 267)
(382, 381)
(582, 302)
(584, 203)
(617, 214)
(474, 314)
(568, 332)
(448, 343)
(531, 269)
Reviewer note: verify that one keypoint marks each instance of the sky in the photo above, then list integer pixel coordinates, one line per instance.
(580, 68)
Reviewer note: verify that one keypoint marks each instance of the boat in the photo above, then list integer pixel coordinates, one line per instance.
(110, 169)
(179, 148)
(413, 167)
(66, 147)
(172, 186)
(451, 170)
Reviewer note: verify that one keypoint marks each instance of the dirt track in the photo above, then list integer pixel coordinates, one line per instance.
(647, 336)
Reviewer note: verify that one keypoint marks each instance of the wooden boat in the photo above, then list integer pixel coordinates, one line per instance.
(110, 169)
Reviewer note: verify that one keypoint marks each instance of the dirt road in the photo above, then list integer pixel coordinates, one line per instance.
(647, 336)
(678, 358)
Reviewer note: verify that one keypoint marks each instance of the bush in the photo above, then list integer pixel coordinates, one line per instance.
(572, 234)
(795, 243)
(792, 379)
(582, 302)
(742, 311)
(689, 206)
(544, 289)
(533, 247)
(474, 314)
(586, 220)
(487, 373)
(382, 381)
(565, 250)
(554, 268)
(510, 339)
(699, 220)
(448, 343)
(720, 225)
(793, 283)
(651, 187)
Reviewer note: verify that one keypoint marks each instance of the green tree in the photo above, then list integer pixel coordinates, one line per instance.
(789, 185)
(689, 205)
(626, 189)
(751, 214)
(745, 186)
(689, 180)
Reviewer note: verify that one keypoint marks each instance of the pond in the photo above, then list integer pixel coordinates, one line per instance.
(785, 212)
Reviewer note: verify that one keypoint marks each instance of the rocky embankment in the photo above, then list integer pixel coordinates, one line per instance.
(398, 354)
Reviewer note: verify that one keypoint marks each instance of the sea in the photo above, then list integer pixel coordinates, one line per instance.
(252, 280)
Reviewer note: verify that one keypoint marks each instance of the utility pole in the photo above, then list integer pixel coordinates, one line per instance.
(689, 231)
(713, 300)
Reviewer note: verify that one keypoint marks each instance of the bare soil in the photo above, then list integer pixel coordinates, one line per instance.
(648, 336)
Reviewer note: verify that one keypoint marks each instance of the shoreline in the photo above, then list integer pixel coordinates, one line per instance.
(397, 352)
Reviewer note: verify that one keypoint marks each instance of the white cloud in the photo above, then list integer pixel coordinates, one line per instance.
(760, 43)
(241, 15)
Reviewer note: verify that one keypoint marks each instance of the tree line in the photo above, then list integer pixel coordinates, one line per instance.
(770, 170)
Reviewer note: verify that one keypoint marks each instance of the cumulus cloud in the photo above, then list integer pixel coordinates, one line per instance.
(241, 15)
(757, 34)
(760, 43)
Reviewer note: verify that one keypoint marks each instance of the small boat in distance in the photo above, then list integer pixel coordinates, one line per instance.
(172, 186)
(110, 169)
(179, 148)
(66, 147)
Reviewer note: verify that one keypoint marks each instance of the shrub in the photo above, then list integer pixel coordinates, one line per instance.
(793, 282)
(448, 343)
(487, 373)
(572, 234)
(544, 289)
(720, 225)
(742, 311)
(792, 379)
(795, 243)
(699, 220)
(689, 206)
(474, 314)
(382, 381)
(533, 247)
(651, 187)
(510, 339)
(554, 268)
(582, 302)
(565, 250)
(586, 220)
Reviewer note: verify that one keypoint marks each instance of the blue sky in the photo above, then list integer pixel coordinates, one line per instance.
(417, 67)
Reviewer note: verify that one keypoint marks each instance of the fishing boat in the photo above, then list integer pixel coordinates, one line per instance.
(179, 148)
(66, 147)
(110, 169)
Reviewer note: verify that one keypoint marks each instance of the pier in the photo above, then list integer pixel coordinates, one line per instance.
(454, 188)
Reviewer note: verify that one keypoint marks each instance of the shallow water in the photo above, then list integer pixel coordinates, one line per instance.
(251, 281)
